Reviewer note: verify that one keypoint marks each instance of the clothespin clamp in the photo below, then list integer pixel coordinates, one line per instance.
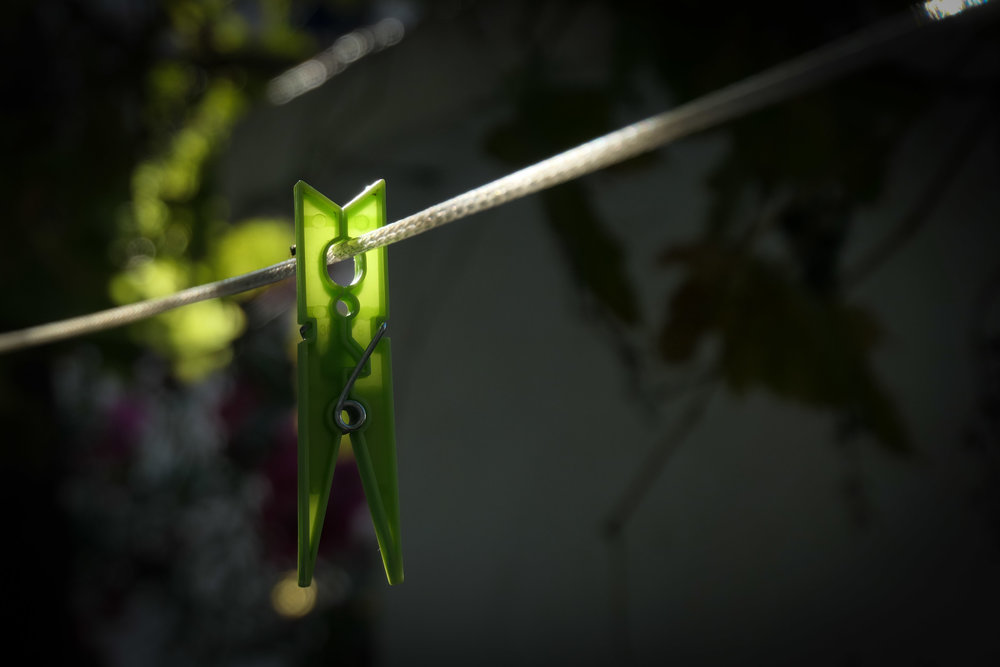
(344, 375)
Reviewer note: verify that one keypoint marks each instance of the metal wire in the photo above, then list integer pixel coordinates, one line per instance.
(756, 92)
(133, 312)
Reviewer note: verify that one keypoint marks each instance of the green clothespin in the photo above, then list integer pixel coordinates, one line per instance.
(345, 382)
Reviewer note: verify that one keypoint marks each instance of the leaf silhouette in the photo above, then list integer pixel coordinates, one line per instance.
(596, 258)
(549, 119)
(778, 336)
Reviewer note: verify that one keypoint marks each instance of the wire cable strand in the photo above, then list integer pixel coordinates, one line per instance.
(133, 312)
(769, 87)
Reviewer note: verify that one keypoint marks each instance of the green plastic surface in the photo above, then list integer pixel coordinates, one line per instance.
(331, 347)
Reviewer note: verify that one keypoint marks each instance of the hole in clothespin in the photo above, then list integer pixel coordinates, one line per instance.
(344, 272)
(343, 307)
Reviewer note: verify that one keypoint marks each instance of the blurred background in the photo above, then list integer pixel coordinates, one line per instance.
(733, 402)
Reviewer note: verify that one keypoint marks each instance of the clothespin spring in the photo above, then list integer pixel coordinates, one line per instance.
(356, 411)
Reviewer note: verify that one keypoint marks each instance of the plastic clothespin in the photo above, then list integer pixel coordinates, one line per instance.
(345, 382)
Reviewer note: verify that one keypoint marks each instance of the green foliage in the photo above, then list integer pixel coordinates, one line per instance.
(165, 212)
(173, 233)
(250, 245)
(219, 27)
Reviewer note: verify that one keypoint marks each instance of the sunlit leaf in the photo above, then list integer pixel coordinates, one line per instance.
(148, 280)
(252, 245)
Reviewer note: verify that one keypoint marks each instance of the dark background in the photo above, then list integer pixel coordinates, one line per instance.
(732, 402)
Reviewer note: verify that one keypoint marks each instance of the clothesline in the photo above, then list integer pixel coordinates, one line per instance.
(767, 88)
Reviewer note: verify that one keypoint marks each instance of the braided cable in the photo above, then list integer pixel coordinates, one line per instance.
(774, 85)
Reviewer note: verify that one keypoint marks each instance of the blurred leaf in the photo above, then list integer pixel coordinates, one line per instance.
(777, 336)
(148, 280)
(230, 32)
(549, 119)
(843, 133)
(277, 34)
(170, 208)
(251, 245)
(596, 258)
(692, 313)
(818, 158)
(196, 338)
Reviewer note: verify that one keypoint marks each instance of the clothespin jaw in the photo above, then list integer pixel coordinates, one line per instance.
(337, 324)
